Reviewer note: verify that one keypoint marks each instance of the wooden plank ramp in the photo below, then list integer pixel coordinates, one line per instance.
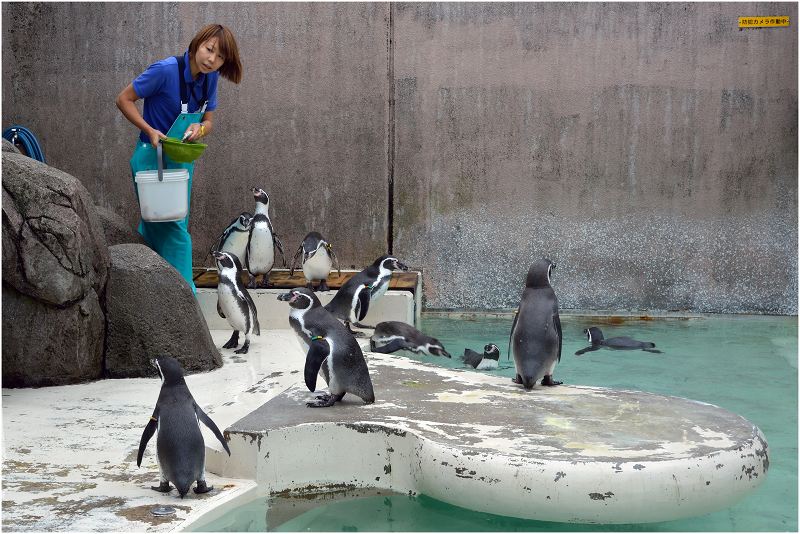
(280, 279)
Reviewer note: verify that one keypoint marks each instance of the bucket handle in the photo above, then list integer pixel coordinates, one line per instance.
(159, 157)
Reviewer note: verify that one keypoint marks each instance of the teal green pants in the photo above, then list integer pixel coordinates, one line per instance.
(171, 240)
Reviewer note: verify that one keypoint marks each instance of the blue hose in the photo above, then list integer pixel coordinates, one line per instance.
(21, 136)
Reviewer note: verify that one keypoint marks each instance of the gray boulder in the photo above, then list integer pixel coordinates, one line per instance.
(8, 146)
(55, 266)
(48, 346)
(54, 249)
(151, 311)
(116, 229)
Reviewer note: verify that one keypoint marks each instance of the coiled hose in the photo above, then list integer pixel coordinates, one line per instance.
(24, 138)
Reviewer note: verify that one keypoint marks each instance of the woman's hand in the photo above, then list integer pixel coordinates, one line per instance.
(194, 132)
(155, 135)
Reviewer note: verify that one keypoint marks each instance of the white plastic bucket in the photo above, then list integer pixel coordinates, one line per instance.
(163, 201)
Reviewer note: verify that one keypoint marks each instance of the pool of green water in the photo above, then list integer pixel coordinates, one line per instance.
(747, 365)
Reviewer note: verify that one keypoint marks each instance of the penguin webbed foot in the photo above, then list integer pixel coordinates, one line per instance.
(517, 380)
(325, 401)
(163, 487)
(323, 286)
(654, 351)
(354, 332)
(264, 281)
(233, 341)
(310, 286)
(244, 348)
(251, 284)
(548, 381)
(202, 487)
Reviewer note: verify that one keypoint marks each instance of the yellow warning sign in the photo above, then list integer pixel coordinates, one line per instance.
(762, 22)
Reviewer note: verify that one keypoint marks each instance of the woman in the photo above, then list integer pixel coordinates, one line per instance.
(180, 96)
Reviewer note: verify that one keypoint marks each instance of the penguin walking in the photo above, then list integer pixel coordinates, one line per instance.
(180, 448)
(391, 336)
(482, 362)
(261, 242)
(234, 302)
(316, 261)
(234, 238)
(536, 331)
(595, 336)
(330, 348)
(351, 303)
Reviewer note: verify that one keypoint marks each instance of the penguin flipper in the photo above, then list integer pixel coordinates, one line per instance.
(294, 259)
(654, 351)
(394, 346)
(587, 349)
(363, 303)
(201, 415)
(278, 244)
(333, 255)
(149, 430)
(318, 350)
(557, 323)
(511, 335)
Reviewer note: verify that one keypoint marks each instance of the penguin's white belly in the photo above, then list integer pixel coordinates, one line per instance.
(229, 302)
(318, 267)
(237, 245)
(381, 341)
(262, 250)
(487, 365)
(383, 285)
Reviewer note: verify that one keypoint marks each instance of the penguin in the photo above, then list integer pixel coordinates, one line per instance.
(536, 330)
(351, 303)
(261, 242)
(391, 336)
(234, 238)
(330, 348)
(595, 336)
(482, 362)
(234, 302)
(180, 447)
(316, 260)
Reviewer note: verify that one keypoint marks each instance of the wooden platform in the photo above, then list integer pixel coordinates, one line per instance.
(280, 279)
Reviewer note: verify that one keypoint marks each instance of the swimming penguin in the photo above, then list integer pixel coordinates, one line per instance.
(536, 331)
(390, 336)
(351, 302)
(330, 349)
(261, 241)
(595, 336)
(316, 260)
(234, 302)
(180, 447)
(234, 238)
(486, 361)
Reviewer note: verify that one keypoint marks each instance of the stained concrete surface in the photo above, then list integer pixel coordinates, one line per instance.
(567, 453)
(69, 452)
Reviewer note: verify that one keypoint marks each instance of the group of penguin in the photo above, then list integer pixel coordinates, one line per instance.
(329, 342)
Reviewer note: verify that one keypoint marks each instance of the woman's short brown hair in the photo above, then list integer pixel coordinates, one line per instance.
(231, 68)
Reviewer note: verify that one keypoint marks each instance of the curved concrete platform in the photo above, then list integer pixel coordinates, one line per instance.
(568, 453)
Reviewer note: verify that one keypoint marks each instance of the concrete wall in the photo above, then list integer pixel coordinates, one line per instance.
(649, 149)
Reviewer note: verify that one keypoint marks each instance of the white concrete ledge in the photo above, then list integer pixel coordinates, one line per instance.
(274, 314)
(569, 453)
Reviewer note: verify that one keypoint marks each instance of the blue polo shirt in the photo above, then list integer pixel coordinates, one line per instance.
(158, 85)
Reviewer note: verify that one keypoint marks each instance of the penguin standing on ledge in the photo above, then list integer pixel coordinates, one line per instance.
(179, 445)
(234, 238)
(536, 331)
(316, 261)
(261, 242)
(234, 303)
(330, 348)
(351, 303)
(595, 336)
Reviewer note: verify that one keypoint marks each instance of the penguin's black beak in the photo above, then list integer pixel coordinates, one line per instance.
(403, 267)
(285, 296)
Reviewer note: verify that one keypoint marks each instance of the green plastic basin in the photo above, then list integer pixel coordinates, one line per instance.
(182, 152)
